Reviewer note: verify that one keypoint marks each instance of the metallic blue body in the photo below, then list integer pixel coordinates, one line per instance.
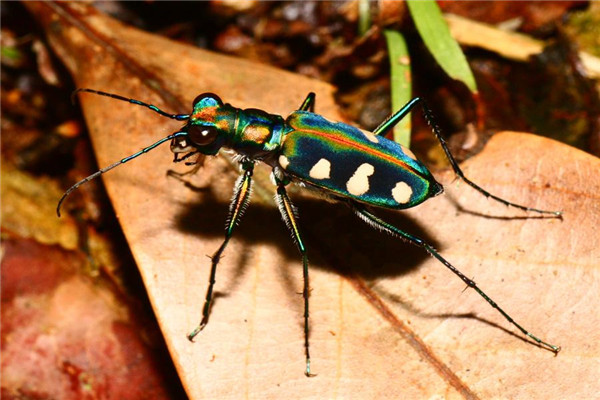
(385, 173)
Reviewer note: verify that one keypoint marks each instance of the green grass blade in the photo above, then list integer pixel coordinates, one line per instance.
(401, 82)
(435, 34)
(364, 16)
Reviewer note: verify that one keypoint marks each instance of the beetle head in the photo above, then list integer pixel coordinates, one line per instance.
(206, 128)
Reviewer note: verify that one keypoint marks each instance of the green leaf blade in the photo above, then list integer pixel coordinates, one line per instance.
(401, 82)
(435, 34)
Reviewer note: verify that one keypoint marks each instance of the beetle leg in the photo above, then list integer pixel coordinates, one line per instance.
(309, 103)
(436, 131)
(393, 119)
(378, 223)
(289, 215)
(239, 202)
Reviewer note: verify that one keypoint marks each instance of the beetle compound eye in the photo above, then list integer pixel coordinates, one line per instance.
(198, 99)
(202, 135)
(210, 99)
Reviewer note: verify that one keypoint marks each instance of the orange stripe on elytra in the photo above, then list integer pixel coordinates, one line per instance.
(363, 148)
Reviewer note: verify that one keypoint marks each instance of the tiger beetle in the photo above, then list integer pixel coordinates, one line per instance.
(353, 166)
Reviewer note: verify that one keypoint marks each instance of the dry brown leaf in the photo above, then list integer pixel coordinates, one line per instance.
(392, 323)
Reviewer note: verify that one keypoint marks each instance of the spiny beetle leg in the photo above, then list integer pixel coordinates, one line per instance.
(436, 130)
(391, 121)
(289, 215)
(392, 230)
(241, 198)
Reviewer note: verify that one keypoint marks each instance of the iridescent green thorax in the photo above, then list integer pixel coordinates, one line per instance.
(257, 133)
(250, 132)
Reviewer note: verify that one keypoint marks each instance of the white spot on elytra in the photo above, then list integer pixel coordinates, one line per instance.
(359, 182)
(320, 170)
(402, 192)
(409, 153)
(370, 136)
(283, 161)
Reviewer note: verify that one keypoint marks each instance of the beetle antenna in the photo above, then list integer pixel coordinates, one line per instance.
(179, 117)
(123, 161)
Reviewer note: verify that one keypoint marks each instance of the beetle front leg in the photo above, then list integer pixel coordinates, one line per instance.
(241, 198)
(289, 215)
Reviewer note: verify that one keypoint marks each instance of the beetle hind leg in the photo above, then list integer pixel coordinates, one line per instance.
(378, 223)
(309, 103)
